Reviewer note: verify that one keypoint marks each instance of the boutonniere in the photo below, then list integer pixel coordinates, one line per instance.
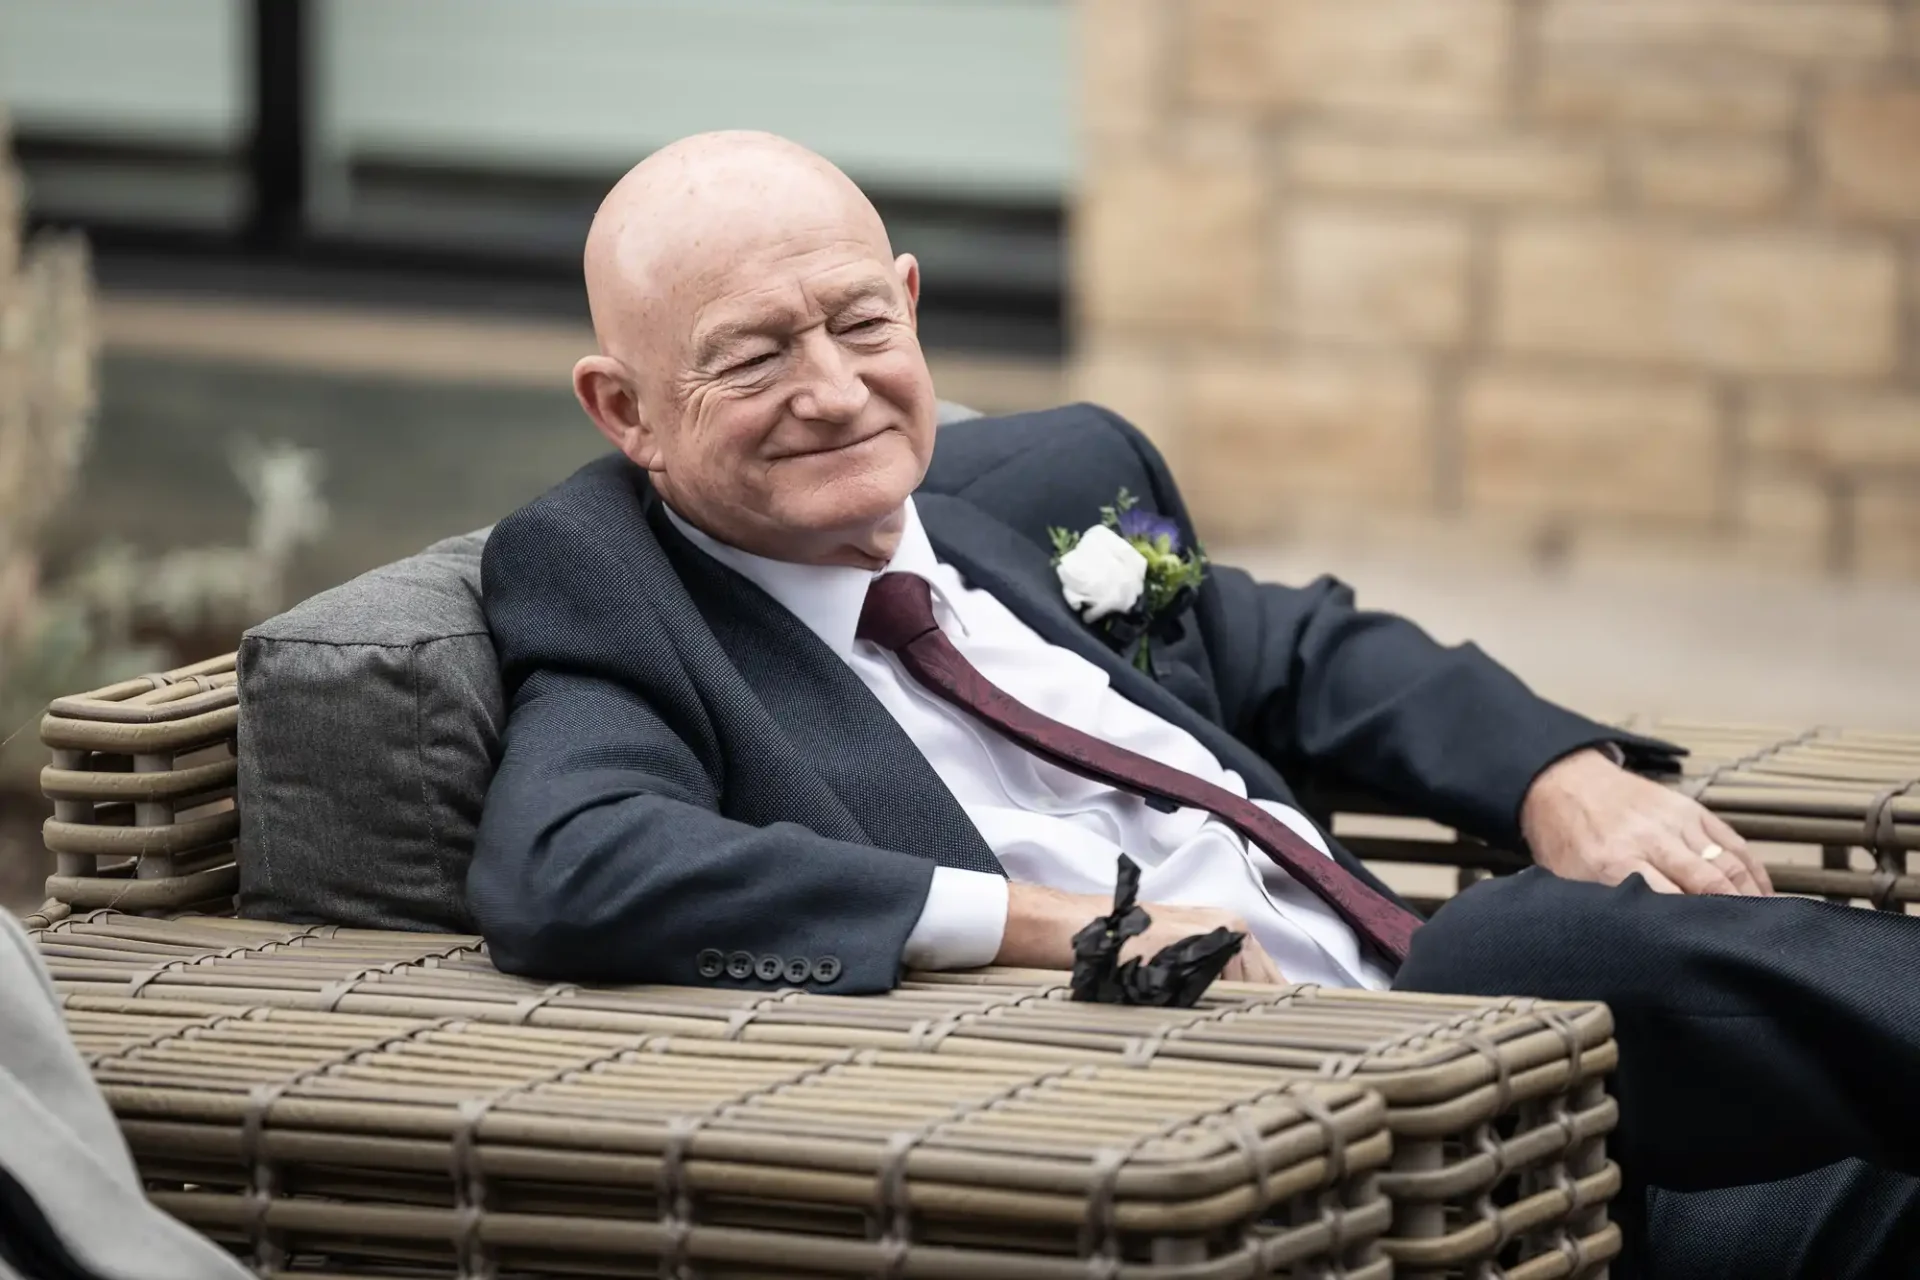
(1129, 577)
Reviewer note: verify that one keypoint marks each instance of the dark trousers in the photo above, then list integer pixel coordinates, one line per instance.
(1769, 1079)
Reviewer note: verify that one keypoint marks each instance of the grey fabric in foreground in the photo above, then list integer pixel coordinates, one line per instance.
(62, 1147)
(370, 720)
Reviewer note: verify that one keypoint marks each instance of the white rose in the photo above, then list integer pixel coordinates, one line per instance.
(1103, 574)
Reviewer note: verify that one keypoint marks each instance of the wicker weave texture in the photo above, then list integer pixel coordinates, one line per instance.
(141, 780)
(1854, 793)
(388, 1139)
(1497, 1108)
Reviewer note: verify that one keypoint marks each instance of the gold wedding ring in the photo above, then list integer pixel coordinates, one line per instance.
(1711, 852)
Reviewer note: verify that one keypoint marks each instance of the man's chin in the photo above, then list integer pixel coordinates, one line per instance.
(863, 516)
(852, 514)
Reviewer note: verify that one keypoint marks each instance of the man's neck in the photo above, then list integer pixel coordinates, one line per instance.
(871, 549)
(827, 599)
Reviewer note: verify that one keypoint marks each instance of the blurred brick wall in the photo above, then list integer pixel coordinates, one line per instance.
(1554, 264)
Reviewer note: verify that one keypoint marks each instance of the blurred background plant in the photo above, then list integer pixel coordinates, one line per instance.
(117, 610)
(46, 408)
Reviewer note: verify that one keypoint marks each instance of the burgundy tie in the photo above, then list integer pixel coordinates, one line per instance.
(899, 616)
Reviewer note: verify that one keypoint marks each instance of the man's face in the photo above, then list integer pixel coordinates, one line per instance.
(795, 412)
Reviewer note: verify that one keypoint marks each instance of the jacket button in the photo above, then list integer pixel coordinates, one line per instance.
(799, 969)
(740, 966)
(826, 969)
(769, 968)
(711, 963)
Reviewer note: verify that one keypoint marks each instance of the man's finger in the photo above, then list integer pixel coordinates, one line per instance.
(1656, 881)
(1260, 965)
(1734, 843)
(1680, 859)
(1729, 862)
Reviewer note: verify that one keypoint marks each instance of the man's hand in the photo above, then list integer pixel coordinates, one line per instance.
(1041, 923)
(1587, 819)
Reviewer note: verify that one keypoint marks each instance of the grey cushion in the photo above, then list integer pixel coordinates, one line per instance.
(370, 720)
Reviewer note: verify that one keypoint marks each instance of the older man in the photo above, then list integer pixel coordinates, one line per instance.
(797, 699)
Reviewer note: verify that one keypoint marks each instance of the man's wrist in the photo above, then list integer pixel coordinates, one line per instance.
(1041, 923)
(1553, 791)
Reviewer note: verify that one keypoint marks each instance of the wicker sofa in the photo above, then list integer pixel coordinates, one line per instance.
(344, 1102)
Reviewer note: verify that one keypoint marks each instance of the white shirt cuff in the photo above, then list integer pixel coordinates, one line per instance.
(962, 923)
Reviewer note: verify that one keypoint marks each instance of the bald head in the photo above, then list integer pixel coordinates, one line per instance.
(700, 203)
(758, 347)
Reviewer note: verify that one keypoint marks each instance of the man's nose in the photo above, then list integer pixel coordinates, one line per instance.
(830, 384)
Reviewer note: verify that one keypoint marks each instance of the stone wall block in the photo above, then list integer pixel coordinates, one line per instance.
(1137, 380)
(1868, 142)
(1372, 276)
(1846, 32)
(1229, 46)
(1710, 176)
(1761, 301)
(1498, 167)
(1886, 533)
(1267, 430)
(1172, 246)
(1603, 90)
(1857, 433)
(1552, 442)
(1125, 83)
(1423, 58)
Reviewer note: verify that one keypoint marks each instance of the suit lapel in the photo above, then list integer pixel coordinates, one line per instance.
(831, 719)
(997, 559)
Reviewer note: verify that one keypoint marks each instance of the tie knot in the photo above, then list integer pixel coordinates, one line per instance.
(898, 611)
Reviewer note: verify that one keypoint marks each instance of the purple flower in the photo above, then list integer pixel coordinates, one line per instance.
(1135, 523)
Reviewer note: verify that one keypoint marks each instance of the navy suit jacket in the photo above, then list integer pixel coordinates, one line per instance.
(695, 790)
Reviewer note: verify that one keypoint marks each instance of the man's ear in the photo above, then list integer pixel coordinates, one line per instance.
(909, 268)
(605, 391)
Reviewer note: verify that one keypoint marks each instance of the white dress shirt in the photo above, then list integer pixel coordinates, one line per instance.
(1046, 825)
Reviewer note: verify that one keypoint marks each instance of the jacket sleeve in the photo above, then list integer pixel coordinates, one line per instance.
(603, 854)
(1312, 681)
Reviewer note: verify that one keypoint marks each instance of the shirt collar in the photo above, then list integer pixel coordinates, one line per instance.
(827, 599)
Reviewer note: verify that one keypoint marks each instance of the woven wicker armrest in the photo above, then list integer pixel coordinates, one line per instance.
(1835, 812)
(142, 783)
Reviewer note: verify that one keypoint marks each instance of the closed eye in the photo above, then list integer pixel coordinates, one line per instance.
(751, 362)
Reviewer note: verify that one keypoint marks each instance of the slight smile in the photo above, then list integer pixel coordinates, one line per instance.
(831, 449)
